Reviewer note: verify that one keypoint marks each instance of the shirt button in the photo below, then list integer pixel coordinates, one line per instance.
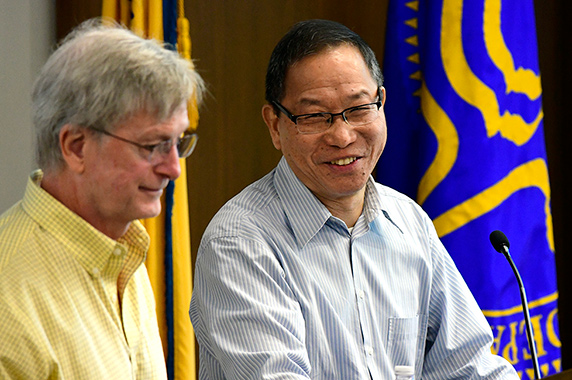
(361, 294)
(95, 272)
(369, 350)
(117, 252)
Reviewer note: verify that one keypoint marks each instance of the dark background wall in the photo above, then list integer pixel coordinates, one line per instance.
(232, 41)
(555, 58)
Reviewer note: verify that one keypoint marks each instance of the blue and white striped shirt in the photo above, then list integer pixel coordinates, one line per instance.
(283, 290)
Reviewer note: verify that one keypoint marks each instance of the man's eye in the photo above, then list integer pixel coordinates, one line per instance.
(360, 109)
(313, 118)
(151, 147)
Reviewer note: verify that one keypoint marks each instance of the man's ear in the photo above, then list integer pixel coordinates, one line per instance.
(72, 145)
(272, 121)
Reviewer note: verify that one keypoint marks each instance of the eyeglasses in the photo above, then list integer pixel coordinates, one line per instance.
(156, 152)
(311, 123)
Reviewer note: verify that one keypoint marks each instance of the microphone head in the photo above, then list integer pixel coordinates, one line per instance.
(499, 240)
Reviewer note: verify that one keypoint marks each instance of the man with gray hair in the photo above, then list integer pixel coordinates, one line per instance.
(110, 112)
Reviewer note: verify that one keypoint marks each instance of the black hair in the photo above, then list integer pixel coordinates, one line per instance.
(307, 38)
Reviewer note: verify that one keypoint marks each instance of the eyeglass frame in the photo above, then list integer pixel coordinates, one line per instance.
(294, 118)
(152, 148)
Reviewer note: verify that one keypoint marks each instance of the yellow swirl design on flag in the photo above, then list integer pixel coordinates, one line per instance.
(471, 88)
(447, 144)
(476, 93)
(518, 309)
(531, 174)
(524, 81)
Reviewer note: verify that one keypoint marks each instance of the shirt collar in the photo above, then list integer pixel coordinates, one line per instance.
(307, 215)
(372, 204)
(305, 212)
(92, 248)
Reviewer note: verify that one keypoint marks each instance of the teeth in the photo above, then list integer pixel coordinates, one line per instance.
(343, 161)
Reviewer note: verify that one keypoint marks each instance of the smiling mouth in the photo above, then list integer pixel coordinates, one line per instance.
(153, 190)
(343, 161)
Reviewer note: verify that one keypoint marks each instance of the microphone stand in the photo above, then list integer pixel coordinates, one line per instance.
(529, 332)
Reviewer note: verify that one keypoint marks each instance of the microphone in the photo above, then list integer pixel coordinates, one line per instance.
(501, 244)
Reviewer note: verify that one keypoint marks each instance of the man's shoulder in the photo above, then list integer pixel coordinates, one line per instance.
(26, 245)
(16, 229)
(397, 203)
(254, 205)
(391, 195)
(8, 217)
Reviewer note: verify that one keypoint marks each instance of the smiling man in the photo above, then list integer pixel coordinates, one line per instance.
(316, 271)
(110, 112)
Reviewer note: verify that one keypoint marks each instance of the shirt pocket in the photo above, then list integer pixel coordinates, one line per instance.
(406, 341)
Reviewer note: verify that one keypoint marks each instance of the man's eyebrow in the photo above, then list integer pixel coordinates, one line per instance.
(309, 102)
(159, 137)
(316, 102)
(359, 95)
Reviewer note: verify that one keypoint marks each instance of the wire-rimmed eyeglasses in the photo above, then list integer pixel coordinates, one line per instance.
(185, 145)
(318, 122)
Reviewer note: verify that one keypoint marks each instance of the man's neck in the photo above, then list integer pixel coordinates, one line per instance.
(62, 185)
(347, 208)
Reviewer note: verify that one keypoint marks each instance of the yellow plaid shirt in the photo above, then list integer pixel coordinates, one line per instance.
(60, 313)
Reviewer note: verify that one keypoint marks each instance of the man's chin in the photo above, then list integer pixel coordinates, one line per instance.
(150, 212)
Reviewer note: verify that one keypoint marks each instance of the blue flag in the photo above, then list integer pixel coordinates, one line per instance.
(466, 141)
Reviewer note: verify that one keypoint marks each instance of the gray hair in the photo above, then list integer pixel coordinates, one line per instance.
(307, 38)
(101, 75)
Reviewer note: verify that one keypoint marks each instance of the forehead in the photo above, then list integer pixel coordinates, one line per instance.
(144, 121)
(330, 69)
